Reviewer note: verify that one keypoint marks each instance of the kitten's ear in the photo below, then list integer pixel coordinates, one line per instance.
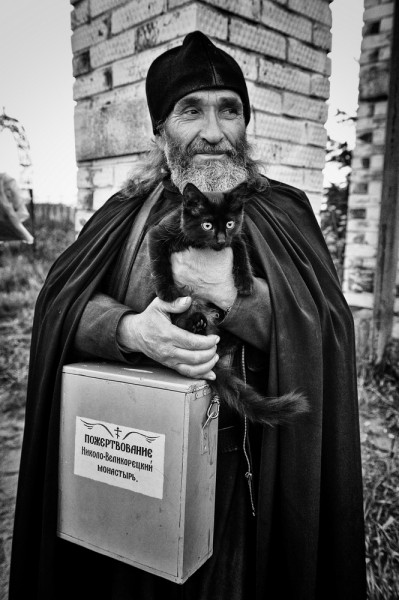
(238, 195)
(192, 196)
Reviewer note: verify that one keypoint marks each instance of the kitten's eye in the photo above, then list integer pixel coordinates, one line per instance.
(206, 225)
(230, 224)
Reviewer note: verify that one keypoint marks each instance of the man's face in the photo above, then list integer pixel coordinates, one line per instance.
(204, 140)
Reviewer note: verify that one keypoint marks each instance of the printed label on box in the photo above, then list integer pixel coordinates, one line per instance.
(122, 456)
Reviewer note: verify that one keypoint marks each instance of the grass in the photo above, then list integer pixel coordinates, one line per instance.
(22, 273)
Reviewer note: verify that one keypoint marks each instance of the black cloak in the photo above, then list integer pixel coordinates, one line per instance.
(310, 513)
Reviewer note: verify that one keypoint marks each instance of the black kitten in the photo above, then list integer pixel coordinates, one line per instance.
(214, 220)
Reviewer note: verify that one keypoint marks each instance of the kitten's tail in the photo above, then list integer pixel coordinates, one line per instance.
(248, 403)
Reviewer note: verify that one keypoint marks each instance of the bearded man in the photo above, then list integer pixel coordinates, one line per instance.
(298, 531)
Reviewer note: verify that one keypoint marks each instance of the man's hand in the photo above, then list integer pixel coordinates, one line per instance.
(206, 273)
(152, 333)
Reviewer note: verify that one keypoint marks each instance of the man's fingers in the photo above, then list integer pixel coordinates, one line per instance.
(203, 371)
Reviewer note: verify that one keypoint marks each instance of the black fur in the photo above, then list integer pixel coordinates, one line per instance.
(183, 228)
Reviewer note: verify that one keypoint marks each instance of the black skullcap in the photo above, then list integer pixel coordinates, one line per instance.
(195, 65)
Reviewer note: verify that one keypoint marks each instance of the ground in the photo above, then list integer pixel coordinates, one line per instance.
(22, 273)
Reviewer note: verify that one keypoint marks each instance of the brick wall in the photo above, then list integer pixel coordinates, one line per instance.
(281, 45)
(368, 158)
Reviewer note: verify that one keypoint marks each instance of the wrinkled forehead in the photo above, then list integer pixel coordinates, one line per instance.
(205, 98)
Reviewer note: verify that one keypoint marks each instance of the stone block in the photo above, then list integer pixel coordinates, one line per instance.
(318, 10)
(316, 135)
(286, 22)
(374, 82)
(81, 218)
(376, 41)
(307, 57)
(101, 195)
(103, 176)
(257, 38)
(92, 83)
(319, 86)
(284, 153)
(87, 35)
(375, 188)
(250, 9)
(85, 198)
(384, 53)
(381, 108)
(112, 124)
(303, 107)
(97, 7)
(80, 14)
(313, 180)
(113, 49)
(264, 99)
(322, 36)
(386, 24)
(247, 60)
(377, 162)
(135, 12)
(283, 76)
(289, 175)
(81, 63)
(180, 23)
(84, 177)
(378, 12)
(135, 68)
(379, 136)
(280, 128)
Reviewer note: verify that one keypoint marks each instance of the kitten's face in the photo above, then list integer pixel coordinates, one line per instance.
(211, 221)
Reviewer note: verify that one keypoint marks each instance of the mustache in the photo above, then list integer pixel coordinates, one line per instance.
(201, 147)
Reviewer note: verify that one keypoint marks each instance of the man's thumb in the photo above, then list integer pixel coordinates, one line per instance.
(177, 306)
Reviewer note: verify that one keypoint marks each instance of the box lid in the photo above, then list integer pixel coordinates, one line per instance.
(147, 374)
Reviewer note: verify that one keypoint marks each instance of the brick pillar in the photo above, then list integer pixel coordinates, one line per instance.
(281, 45)
(368, 156)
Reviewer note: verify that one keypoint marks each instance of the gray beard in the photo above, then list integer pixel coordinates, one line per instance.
(212, 176)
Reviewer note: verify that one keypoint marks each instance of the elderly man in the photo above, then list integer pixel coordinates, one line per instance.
(296, 531)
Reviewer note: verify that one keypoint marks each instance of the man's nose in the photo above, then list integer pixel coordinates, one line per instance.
(211, 131)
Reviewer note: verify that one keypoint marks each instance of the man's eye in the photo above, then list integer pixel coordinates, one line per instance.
(230, 112)
(206, 225)
(230, 224)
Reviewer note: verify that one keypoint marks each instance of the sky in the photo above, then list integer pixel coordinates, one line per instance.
(36, 85)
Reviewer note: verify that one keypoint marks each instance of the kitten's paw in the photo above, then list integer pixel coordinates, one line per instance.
(197, 323)
(168, 294)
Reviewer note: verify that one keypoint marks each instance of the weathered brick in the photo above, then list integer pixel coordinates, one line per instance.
(84, 177)
(378, 12)
(181, 22)
(264, 99)
(385, 53)
(247, 60)
(296, 105)
(386, 24)
(87, 35)
(289, 175)
(377, 162)
(318, 10)
(319, 86)
(135, 12)
(316, 135)
(313, 180)
(103, 176)
(276, 152)
(257, 38)
(381, 108)
(111, 50)
(280, 128)
(250, 9)
(85, 198)
(99, 6)
(81, 63)
(113, 124)
(80, 14)
(283, 76)
(101, 195)
(93, 83)
(322, 36)
(306, 57)
(377, 41)
(287, 22)
(134, 68)
(81, 218)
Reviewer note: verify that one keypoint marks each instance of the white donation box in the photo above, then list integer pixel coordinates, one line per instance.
(137, 469)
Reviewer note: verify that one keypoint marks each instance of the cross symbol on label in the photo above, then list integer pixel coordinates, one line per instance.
(117, 431)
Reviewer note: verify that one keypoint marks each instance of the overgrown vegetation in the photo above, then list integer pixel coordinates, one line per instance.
(22, 274)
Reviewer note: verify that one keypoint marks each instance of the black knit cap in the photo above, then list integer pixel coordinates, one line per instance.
(195, 65)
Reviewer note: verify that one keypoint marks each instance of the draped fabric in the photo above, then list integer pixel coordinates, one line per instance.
(310, 539)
